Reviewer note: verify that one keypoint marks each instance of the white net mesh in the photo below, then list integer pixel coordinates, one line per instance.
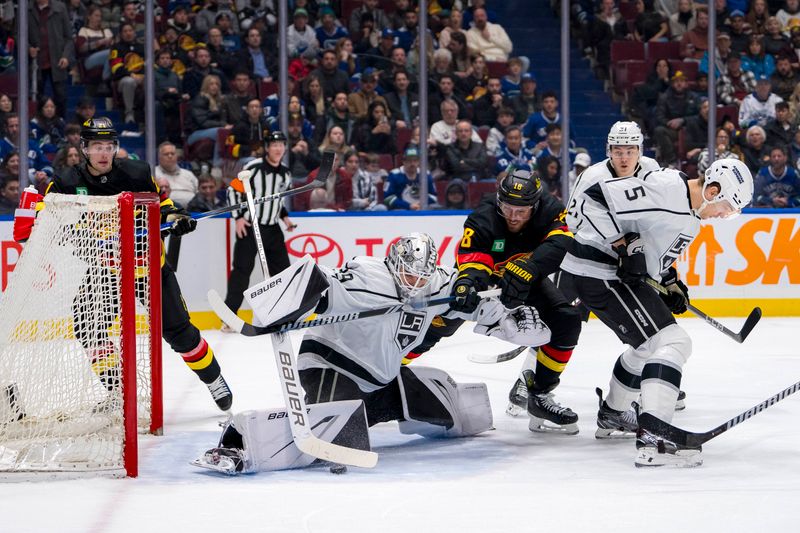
(61, 405)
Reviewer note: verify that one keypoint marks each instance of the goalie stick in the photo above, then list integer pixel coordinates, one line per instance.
(693, 440)
(289, 376)
(250, 330)
(747, 327)
(325, 169)
(489, 359)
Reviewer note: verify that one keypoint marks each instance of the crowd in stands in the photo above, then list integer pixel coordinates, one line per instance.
(654, 55)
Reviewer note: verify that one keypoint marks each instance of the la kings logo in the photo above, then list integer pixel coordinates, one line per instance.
(675, 249)
(409, 329)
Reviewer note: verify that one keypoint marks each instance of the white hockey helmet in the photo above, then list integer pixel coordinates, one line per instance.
(412, 262)
(624, 134)
(735, 181)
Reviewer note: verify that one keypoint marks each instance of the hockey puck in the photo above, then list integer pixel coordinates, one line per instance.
(338, 469)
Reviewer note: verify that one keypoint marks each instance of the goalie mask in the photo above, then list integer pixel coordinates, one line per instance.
(735, 182)
(412, 262)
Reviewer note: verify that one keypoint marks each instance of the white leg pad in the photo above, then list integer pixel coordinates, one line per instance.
(436, 406)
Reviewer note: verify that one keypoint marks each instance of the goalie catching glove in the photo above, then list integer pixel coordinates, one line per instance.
(632, 266)
(520, 326)
(677, 297)
(516, 282)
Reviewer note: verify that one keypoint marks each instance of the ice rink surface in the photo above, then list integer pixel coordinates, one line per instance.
(505, 480)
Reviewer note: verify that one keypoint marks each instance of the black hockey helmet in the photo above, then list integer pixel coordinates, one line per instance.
(520, 186)
(98, 129)
(276, 136)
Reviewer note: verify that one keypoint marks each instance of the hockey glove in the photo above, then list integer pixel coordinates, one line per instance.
(677, 297)
(181, 223)
(466, 296)
(516, 282)
(632, 267)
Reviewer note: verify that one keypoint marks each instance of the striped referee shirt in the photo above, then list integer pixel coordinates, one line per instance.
(266, 180)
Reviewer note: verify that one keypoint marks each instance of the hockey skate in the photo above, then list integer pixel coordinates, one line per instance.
(613, 424)
(229, 461)
(656, 450)
(221, 393)
(517, 399)
(547, 415)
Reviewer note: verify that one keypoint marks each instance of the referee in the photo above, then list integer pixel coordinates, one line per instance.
(270, 176)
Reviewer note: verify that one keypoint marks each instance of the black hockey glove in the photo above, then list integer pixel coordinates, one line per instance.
(465, 291)
(632, 266)
(516, 282)
(677, 298)
(181, 223)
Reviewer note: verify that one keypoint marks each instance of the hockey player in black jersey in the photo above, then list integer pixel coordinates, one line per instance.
(102, 174)
(515, 240)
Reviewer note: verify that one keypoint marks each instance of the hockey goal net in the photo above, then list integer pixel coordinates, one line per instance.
(80, 339)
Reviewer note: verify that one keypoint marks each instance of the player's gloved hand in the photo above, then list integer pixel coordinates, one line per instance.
(465, 291)
(516, 282)
(677, 297)
(632, 267)
(181, 223)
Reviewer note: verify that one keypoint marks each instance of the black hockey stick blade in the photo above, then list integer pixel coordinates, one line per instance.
(326, 167)
(488, 359)
(693, 440)
(749, 324)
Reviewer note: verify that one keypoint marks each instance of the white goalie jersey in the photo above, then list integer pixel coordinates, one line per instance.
(369, 351)
(656, 206)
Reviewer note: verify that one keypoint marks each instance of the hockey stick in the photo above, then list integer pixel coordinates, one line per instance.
(691, 439)
(747, 327)
(325, 170)
(496, 358)
(293, 394)
(250, 330)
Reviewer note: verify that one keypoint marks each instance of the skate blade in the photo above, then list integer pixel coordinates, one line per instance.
(649, 457)
(223, 467)
(515, 410)
(540, 425)
(613, 434)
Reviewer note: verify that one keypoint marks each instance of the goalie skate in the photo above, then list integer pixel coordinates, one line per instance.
(229, 461)
(655, 450)
(517, 399)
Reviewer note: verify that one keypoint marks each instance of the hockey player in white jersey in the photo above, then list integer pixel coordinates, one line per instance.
(633, 228)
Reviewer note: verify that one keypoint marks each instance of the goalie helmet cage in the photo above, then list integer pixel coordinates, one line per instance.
(80, 340)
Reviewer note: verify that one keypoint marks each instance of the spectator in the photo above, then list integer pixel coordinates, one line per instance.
(469, 13)
(645, 97)
(443, 132)
(76, 12)
(496, 137)
(582, 162)
(72, 136)
(314, 101)
(366, 183)
(723, 14)
(380, 56)
(551, 146)
(396, 16)
(235, 102)
(300, 36)
(694, 42)
(206, 18)
(193, 78)
(9, 166)
(403, 104)
(206, 198)
(335, 140)
(701, 85)
(303, 153)
(607, 26)
(455, 195)
(781, 130)
(474, 85)
(756, 18)
(649, 24)
(182, 183)
(784, 79)
(368, 37)
(169, 95)
(51, 45)
(465, 158)
(339, 115)
(740, 37)
(683, 20)
(339, 191)
(549, 168)
(221, 57)
(789, 16)
(166, 191)
(794, 49)
(9, 195)
(775, 42)
(380, 19)
(263, 13)
(407, 31)
(205, 114)
(37, 162)
(528, 101)
(454, 24)
(755, 150)
(794, 148)
(402, 188)
(412, 63)
(722, 151)
(6, 107)
(736, 83)
(249, 132)
(488, 39)
(777, 184)
(442, 66)
(513, 151)
(486, 107)
(93, 44)
(130, 15)
(374, 132)
(66, 157)
(254, 57)
(758, 107)
(756, 61)
(510, 83)
(127, 68)
(359, 102)
(794, 102)
(398, 62)
(534, 127)
(446, 93)
(46, 127)
(333, 79)
(697, 132)
(674, 107)
(721, 55)
(328, 32)
(318, 202)
(347, 59)
(461, 54)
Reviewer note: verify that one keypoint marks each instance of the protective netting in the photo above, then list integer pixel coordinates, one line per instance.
(61, 403)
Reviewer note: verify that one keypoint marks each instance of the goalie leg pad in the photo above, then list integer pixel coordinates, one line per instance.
(436, 406)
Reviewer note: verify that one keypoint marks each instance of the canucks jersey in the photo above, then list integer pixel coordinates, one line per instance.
(369, 351)
(655, 205)
(598, 172)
